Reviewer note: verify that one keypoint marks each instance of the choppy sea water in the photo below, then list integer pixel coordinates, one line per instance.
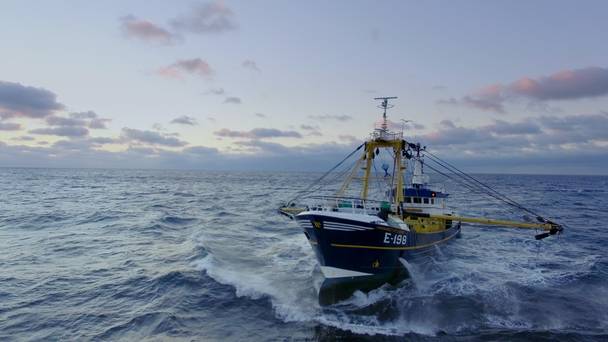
(193, 255)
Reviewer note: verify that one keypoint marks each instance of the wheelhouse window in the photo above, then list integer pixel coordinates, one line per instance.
(408, 200)
(417, 200)
(432, 201)
(426, 200)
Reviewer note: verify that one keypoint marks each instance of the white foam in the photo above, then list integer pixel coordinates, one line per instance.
(256, 286)
(283, 269)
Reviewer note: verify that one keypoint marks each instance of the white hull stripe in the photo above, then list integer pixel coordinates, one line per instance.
(334, 272)
(342, 229)
(335, 226)
(344, 225)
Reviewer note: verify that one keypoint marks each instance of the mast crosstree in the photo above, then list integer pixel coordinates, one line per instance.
(385, 105)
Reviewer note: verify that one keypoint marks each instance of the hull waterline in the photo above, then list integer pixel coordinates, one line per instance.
(355, 255)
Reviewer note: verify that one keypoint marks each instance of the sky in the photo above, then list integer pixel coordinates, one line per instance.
(492, 86)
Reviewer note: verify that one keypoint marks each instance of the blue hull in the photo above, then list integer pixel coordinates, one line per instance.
(364, 256)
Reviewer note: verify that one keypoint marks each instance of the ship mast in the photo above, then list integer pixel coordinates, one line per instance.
(384, 105)
(383, 138)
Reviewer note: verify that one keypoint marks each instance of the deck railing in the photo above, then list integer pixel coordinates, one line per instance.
(357, 205)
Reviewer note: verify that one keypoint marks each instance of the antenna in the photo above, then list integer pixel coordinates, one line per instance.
(404, 123)
(385, 105)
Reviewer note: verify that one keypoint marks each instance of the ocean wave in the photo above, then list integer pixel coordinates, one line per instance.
(164, 255)
(178, 220)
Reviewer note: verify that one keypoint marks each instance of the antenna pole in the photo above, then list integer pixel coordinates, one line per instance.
(385, 105)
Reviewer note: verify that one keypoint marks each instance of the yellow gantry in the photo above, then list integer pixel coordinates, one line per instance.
(419, 222)
(350, 177)
(370, 150)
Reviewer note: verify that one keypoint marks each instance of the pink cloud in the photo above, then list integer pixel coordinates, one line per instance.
(146, 30)
(195, 67)
(563, 85)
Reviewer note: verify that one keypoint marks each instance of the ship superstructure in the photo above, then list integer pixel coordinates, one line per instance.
(378, 218)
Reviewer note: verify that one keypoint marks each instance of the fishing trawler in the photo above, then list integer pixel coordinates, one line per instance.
(365, 229)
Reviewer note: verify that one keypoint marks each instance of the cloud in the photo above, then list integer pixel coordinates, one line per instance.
(54, 120)
(84, 115)
(530, 136)
(185, 120)
(566, 84)
(103, 140)
(257, 133)
(24, 138)
(309, 127)
(349, 138)
(263, 146)
(201, 150)
(574, 129)
(260, 115)
(62, 131)
(94, 121)
(193, 67)
(505, 154)
(83, 143)
(17, 100)
(151, 137)
(88, 119)
(251, 65)
(331, 117)
(9, 126)
(263, 156)
(563, 85)
(501, 127)
(212, 17)
(80, 144)
(488, 98)
(312, 130)
(233, 100)
(216, 91)
(145, 30)
(99, 123)
(398, 126)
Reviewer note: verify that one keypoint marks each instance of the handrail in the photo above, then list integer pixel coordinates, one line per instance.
(343, 197)
(344, 203)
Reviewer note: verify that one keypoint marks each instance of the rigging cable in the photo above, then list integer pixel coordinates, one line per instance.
(339, 174)
(489, 190)
(556, 228)
(467, 185)
(325, 175)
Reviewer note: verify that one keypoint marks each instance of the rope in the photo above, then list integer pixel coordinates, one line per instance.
(481, 186)
(339, 174)
(314, 183)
